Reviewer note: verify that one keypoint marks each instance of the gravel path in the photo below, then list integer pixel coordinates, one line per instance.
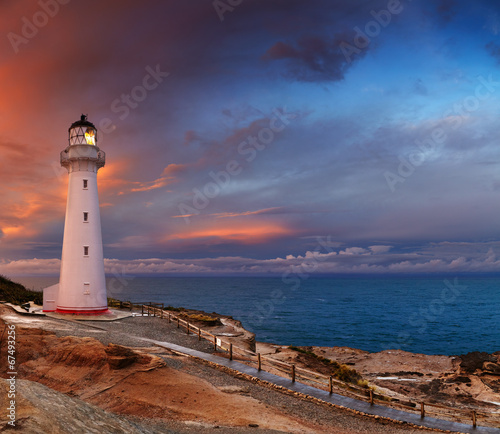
(128, 332)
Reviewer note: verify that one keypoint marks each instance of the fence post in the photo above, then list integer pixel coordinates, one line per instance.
(230, 351)
(371, 397)
(259, 362)
(178, 322)
(199, 334)
(422, 410)
(162, 312)
(169, 318)
(215, 343)
(474, 422)
(293, 373)
(142, 310)
(330, 384)
(187, 328)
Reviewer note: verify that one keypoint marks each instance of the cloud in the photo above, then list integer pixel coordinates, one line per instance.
(420, 88)
(447, 9)
(274, 210)
(251, 232)
(494, 50)
(323, 260)
(380, 249)
(313, 58)
(353, 251)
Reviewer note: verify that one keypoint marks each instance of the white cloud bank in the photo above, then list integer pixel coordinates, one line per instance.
(434, 258)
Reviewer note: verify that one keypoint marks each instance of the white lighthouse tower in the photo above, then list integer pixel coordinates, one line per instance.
(82, 285)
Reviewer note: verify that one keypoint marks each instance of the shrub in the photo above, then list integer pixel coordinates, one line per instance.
(16, 293)
(174, 309)
(206, 319)
(364, 384)
(340, 371)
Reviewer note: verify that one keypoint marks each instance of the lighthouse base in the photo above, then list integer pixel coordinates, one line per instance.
(104, 311)
(50, 298)
(50, 301)
(108, 315)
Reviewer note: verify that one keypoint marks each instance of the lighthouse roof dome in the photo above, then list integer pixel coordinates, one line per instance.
(83, 122)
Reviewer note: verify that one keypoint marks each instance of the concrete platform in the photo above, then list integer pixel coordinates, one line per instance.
(113, 315)
(34, 309)
(37, 310)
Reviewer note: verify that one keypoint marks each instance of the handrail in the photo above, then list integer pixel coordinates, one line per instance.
(331, 383)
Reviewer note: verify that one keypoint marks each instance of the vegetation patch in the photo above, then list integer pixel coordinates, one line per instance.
(174, 309)
(16, 293)
(338, 370)
(199, 317)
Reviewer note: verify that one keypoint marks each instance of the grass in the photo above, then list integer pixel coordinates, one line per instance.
(206, 319)
(340, 371)
(201, 317)
(174, 309)
(16, 293)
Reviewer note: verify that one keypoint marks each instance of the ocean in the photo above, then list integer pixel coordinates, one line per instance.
(429, 315)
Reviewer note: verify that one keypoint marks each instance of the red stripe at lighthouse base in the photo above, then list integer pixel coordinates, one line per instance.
(103, 311)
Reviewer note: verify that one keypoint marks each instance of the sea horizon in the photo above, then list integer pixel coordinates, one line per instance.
(432, 314)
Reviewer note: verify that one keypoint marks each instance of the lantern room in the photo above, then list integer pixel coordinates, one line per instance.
(82, 132)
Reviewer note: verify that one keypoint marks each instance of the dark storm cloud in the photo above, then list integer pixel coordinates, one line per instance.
(494, 50)
(313, 59)
(447, 9)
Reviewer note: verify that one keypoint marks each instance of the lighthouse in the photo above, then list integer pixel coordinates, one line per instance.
(82, 285)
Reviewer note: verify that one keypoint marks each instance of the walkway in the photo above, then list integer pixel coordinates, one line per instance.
(333, 398)
(338, 400)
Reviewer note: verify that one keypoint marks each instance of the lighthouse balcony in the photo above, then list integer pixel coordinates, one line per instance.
(70, 156)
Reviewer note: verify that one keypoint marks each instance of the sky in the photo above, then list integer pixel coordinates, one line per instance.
(257, 137)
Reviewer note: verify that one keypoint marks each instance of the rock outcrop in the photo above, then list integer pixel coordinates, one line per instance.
(40, 409)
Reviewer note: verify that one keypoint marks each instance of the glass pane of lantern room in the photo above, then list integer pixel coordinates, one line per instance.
(76, 136)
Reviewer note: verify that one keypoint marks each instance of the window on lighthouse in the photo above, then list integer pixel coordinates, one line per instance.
(86, 217)
(85, 250)
(90, 136)
(85, 183)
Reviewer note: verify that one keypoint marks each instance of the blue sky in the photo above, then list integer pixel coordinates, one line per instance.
(388, 149)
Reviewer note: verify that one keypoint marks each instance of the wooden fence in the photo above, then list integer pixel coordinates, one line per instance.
(321, 381)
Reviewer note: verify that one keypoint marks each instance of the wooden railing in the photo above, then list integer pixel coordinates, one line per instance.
(120, 304)
(325, 382)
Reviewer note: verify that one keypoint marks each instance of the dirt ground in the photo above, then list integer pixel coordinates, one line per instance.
(159, 387)
(466, 382)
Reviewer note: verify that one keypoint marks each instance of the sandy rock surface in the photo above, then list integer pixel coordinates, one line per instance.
(152, 389)
(469, 381)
